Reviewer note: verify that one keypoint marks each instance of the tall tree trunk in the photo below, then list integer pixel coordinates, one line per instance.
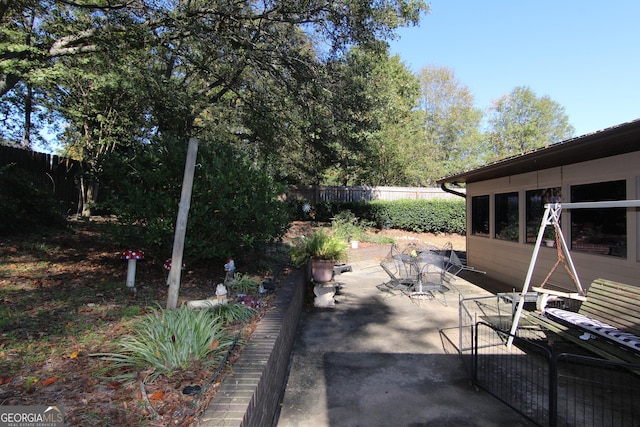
(88, 192)
(90, 196)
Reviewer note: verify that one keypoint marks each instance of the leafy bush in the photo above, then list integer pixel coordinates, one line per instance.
(166, 341)
(432, 216)
(421, 216)
(24, 206)
(325, 211)
(346, 226)
(234, 205)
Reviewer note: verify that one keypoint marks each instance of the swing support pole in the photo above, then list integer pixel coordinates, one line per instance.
(550, 211)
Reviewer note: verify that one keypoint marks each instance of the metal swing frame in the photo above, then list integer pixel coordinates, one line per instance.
(552, 217)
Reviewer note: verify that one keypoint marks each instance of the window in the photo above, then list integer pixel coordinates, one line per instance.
(480, 216)
(534, 209)
(599, 231)
(507, 225)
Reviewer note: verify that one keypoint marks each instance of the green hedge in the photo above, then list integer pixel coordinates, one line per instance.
(421, 216)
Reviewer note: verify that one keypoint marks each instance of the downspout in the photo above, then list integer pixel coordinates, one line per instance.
(444, 188)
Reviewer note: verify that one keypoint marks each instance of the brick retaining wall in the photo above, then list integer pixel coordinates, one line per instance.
(250, 395)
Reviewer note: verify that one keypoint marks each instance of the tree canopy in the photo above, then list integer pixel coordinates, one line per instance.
(449, 120)
(308, 89)
(253, 73)
(521, 121)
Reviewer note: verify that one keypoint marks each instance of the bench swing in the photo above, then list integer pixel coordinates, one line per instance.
(608, 311)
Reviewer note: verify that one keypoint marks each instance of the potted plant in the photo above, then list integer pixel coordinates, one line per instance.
(549, 237)
(322, 250)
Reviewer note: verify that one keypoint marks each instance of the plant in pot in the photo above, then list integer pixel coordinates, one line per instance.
(321, 250)
(549, 237)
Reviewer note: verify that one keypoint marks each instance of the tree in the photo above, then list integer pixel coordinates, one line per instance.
(189, 62)
(521, 121)
(450, 122)
(388, 159)
(365, 120)
(34, 35)
(103, 101)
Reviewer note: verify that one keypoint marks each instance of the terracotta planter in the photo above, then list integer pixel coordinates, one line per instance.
(322, 270)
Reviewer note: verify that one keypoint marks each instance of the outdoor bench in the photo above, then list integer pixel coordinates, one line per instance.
(607, 322)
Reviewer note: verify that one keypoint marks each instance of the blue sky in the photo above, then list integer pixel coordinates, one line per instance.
(583, 54)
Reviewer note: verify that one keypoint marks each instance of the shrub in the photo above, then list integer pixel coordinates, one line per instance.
(234, 204)
(166, 341)
(346, 226)
(421, 216)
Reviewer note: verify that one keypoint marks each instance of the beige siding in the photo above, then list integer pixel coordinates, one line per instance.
(509, 261)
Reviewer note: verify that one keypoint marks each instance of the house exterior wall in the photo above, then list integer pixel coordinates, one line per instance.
(509, 261)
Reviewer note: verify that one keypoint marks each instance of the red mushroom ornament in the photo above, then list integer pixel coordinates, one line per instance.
(167, 267)
(132, 256)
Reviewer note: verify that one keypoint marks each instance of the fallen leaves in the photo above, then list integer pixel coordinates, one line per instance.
(158, 395)
(79, 309)
(49, 381)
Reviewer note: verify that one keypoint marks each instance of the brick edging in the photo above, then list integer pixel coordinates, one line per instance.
(250, 395)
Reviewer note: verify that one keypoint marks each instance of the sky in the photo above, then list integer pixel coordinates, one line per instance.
(583, 54)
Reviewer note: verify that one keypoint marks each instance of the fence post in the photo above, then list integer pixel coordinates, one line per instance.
(474, 363)
(553, 391)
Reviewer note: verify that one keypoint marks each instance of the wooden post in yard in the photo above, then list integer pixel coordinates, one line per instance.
(181, 224)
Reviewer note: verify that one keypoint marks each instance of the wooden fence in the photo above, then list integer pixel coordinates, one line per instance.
(317, 194)
(54, 174)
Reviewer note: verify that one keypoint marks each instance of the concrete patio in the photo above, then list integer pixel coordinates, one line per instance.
(377, 359)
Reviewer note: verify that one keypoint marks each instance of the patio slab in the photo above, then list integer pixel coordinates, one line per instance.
(377, 359)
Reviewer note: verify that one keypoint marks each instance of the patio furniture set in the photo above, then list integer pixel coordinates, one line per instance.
(420, 271)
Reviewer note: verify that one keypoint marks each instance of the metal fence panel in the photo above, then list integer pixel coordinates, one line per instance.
(554, 389)
(518, 376)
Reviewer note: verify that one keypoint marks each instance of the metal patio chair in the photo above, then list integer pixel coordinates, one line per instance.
(402, 276)
(454, 265)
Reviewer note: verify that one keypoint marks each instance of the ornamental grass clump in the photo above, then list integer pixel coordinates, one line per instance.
(233, 313)
(167, 341)
(319, 246)
(244, 284)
